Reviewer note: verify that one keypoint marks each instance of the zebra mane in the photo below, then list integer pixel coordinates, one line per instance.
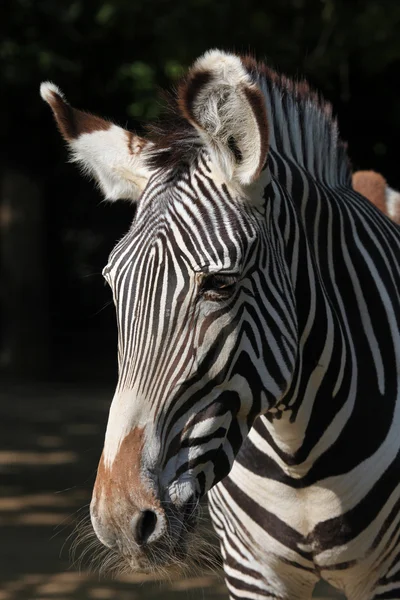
(301, 128)
(301, 125)
(175, 141)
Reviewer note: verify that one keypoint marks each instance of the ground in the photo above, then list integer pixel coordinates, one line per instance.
(50, 442)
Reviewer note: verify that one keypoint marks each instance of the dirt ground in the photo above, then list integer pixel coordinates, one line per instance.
(50, 441)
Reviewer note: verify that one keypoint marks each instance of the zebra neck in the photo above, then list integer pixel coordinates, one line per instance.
(297, 212)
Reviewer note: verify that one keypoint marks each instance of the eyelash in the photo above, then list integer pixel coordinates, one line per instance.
(218, 287)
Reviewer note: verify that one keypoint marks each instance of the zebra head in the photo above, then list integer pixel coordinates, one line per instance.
(205, 310)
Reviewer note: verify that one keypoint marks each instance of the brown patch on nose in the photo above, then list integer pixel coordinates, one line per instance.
(373, 186)
(123, 488)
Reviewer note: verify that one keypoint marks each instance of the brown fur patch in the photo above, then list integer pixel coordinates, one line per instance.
(372, 185)
(123, 489)
(72, 122)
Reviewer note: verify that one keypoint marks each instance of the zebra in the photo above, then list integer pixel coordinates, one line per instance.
(257, 303)
(374, 187)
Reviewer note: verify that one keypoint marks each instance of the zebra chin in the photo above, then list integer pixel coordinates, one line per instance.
(146, 528)
(158, 541)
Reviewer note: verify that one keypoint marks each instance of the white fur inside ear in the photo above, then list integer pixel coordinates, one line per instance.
(47, 89)
(225, 117)
(228, 119)
(107, 156)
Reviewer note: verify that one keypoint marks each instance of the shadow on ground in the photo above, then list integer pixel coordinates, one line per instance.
(50, 442)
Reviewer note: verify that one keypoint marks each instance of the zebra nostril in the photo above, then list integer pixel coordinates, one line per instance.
(143, 526)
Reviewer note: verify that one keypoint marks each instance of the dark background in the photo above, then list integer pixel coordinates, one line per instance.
(112, 57)
(57, 328)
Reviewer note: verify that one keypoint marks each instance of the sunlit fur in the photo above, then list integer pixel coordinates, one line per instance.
(276, 391)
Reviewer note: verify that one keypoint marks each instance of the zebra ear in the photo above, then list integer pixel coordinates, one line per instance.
(113, 156)
(228, 109)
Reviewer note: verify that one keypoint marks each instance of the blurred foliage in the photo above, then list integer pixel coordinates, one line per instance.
(112, 57)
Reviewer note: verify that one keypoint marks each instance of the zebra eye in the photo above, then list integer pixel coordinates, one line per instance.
(217, 286)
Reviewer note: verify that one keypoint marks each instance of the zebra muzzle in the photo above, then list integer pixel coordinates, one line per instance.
(148, 526)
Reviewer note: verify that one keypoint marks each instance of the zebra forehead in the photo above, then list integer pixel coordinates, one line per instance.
(181, 231)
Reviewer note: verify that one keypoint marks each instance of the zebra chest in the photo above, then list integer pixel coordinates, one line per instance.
(311, 521)
(281, 510)
(340, 521)
(276, 526)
